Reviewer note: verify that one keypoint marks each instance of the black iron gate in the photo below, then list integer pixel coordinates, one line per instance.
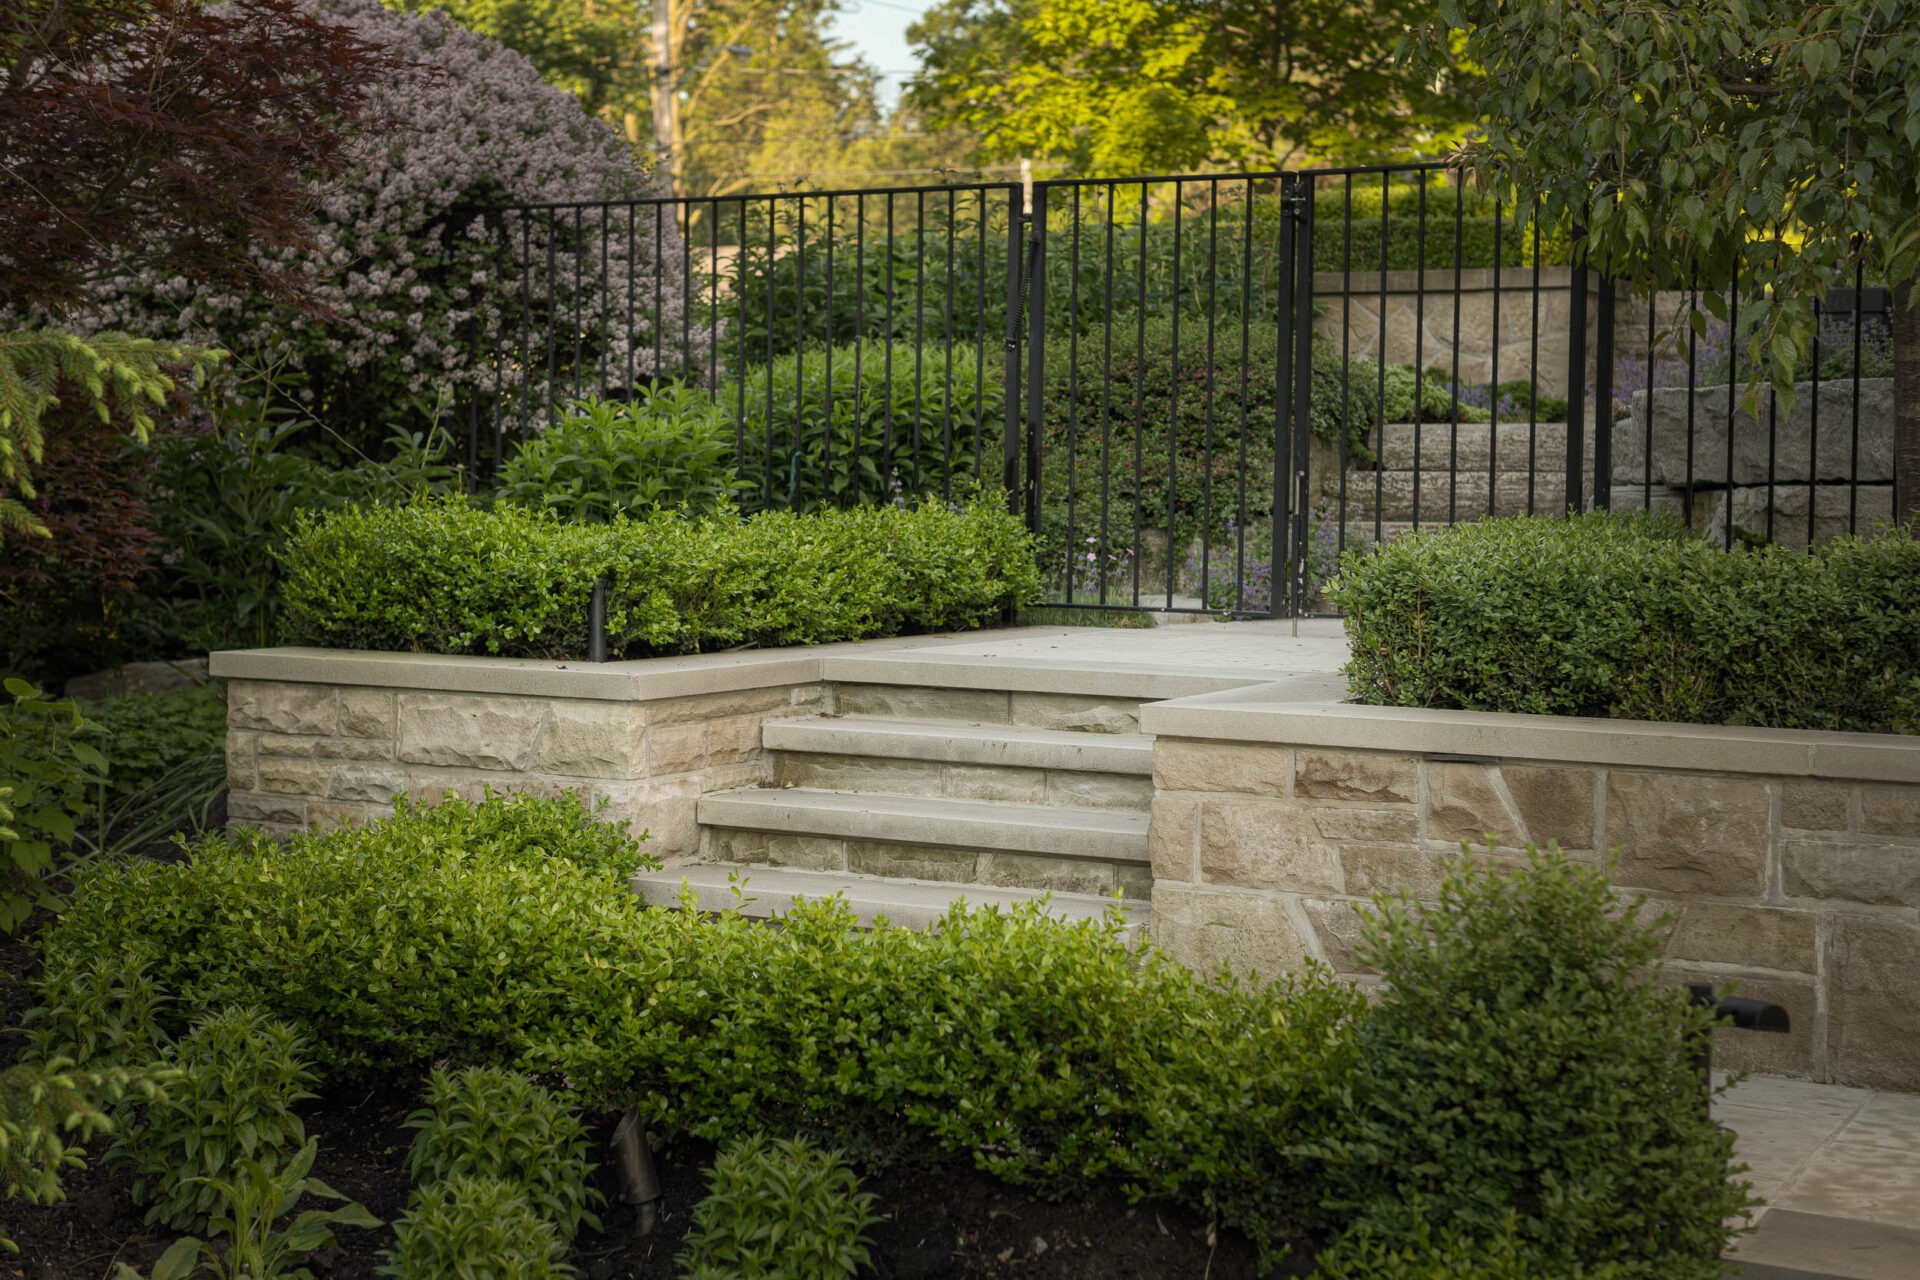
(1200, 390)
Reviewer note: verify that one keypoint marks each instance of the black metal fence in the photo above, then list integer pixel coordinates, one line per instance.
(1199, 390)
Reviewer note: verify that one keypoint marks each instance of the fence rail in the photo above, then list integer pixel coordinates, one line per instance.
(1200, 390)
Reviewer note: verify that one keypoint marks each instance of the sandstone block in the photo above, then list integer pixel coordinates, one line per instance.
(1749, 937)
(857, 773)
(1266, 844)
(430, 786)
(1873, 1036)
(366, 783)
(240, 755)
(1817, 806)
(1077, 790)
(1556, 804)
(366, 713)
(1890, 811)
(1689, 833)
(1133, 881)
(912, 862)
(1084, 713)
(477, 732)
(350, 748)
(1463, 804)
(1852, 869)
(722, 844)
(718, 706)
(675, 748)
(808, 853)
(662, 808)
(734, 740)
(986, 782)
(1250, 933)
(330, 815)
(282, 708)
(1369, 869)
(1368, 825)
(287, 746)
(593, 740)
(1053, 875)
(293, 777)
(1222, 766)
(1356, 775)
(1173, 836)
(1337, 922)
(987, 706)
(266, 809)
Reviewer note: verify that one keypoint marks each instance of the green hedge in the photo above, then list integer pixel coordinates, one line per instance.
(1637, 618)
(448, 577)
(1059, 1056)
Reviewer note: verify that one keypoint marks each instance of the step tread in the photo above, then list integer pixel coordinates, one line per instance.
(955, 742)
(1113, 835)
(910, 904)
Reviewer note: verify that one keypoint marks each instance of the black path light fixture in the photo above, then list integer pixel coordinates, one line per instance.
(1734, 1011)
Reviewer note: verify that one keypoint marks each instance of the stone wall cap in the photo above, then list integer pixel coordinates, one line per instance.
(1262, 714)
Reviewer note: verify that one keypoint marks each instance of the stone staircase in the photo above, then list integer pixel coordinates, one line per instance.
(906, 796)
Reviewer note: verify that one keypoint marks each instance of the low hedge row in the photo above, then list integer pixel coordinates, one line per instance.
(1059, 1056)
(1637, 618)
(448, 577)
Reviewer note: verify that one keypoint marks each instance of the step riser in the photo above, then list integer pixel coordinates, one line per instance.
(1082, 713)
(1005, 783)
(1441, 449)
(1464, 492)
(941, 863)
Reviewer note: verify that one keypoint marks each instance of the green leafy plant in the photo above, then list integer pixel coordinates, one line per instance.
(240, 1074)
(167, 763)
(257, 1193)
(47, 769)
(97, 1011)
(1444, 1254)
(778, 1209)
(670, 449)
(1636, 618)
(448, 577)
(49, 1111)
(1525, 1070)
(501, 1126)
(839, 426)
(477, 1229)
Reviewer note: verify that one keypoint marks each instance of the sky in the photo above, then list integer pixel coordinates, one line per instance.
(877, 30)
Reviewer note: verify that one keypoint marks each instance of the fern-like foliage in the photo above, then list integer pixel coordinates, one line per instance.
(119, 377)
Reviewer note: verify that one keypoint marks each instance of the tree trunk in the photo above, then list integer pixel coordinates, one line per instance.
(1906, 404)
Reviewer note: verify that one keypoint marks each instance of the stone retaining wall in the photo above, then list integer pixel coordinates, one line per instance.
(316, 738)
(1790, 862)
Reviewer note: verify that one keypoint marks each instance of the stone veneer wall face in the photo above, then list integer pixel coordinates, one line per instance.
(1804, 892)
(312, 755)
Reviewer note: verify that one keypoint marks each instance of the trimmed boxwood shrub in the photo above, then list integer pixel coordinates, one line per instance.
(1636, 618)
(448, 577)
(1057, 1055)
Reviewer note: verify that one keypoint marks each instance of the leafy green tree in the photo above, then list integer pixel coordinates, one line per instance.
(1767, 145)
(593, 49)
(1132, 86)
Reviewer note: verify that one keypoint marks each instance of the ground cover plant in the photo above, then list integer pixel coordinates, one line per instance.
(779, 1209)
(1061, 1058)
(1637, 618)
(450, 577)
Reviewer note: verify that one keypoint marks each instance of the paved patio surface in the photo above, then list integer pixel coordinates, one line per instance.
(1839, 1170)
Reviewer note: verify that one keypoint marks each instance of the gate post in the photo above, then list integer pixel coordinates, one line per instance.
(1036, 285)
(1577, 379)
(1292, 390)
(1010, 374)
(1603, 399)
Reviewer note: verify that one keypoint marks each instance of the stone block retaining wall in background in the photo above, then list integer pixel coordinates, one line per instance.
(1790, 862)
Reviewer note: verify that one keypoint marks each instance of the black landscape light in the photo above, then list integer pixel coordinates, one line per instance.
(1739, 1012)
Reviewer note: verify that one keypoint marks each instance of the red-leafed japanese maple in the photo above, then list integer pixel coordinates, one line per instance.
(166, 134)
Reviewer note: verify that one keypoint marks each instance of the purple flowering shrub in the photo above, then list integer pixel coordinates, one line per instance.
(425, 290)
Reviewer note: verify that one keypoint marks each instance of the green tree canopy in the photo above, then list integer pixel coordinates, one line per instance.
(1135, 86)
(594, 49)
(1764, 145)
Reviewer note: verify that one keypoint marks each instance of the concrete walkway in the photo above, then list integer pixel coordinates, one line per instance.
(1839, 1170)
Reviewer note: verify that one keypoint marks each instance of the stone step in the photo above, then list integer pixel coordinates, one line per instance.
(963, 762)
(1445, 446)
(911, 904)
(979, 825)
(1463, 493)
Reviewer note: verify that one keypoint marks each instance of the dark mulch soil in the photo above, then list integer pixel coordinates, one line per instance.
(940, 1218)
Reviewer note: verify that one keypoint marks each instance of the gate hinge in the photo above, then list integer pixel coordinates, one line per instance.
(1294, 199)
